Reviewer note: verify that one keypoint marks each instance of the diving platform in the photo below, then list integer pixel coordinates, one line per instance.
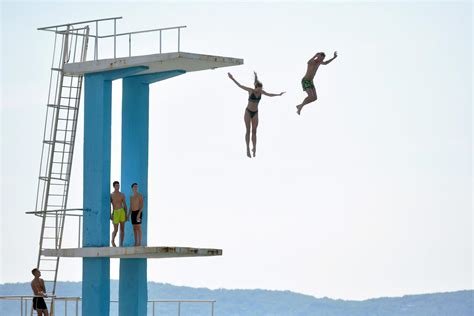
(155, 63)
(132, 252)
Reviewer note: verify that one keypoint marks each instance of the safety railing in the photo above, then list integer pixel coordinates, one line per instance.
(178, 304)
(26, 302)
(71, 28)
(71, 212)
(70, 305)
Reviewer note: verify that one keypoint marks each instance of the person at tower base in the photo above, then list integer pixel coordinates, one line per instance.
(307, 81)
(251, 112)
(136, 205)
(118, 212)
(39, 290)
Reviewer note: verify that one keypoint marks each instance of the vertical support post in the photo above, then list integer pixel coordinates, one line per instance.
(179, 37)
(79, 233)
(115, 38)
(96, 188)
(96, 43)
(135, 121)
(129, 45)
(160, 41)
(135, 111)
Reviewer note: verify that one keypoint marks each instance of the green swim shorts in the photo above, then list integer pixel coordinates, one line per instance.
(119, 216)
(307, 84)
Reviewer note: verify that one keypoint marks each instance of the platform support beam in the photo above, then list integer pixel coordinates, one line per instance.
(96, 186)
(135, 123)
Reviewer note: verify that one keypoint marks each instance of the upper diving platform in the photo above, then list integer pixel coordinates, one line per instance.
(116, 49)
(156, 63)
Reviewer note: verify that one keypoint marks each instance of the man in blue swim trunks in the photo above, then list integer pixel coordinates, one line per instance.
(307, 81)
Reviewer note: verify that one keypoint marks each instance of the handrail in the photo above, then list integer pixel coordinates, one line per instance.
(146, 31)
(60, 210)
(46, 28)
(95, 23)
(76, 299)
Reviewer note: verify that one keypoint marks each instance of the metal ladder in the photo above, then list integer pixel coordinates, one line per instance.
(58, 147)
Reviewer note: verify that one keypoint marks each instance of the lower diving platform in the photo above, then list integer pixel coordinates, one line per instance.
(132, 252)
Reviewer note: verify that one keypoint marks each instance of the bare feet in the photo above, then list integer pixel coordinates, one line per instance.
(254, 151)
(298, 109)
(248, 153)
(113, 244)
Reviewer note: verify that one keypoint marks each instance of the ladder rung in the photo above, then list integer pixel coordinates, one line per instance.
(49, 237)
(69, 98)
(48, 259)
(65, 119)
(52, 178)
(56, 69)
(65, 107)
(48, 271)
(50, 142)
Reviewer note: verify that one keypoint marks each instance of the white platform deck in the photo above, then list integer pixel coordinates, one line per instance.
(132, 252)
(155, 63)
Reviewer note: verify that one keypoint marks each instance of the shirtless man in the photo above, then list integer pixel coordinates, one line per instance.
(39, 290)
(118, 212)
(136, 206)
(307, 81)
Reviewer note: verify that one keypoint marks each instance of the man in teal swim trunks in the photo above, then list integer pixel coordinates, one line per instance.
(119, 212)
(307, 81)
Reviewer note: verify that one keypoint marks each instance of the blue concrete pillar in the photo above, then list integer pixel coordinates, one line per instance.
(96, 187)
(133, 294)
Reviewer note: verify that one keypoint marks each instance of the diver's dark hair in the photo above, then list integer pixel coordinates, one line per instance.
(255, 81)
(115, 182)
(323, 54)
(134, 184)
(34, 270)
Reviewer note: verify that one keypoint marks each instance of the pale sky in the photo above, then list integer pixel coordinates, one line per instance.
(367, 194)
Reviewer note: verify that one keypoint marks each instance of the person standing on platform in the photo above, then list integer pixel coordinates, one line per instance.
(118, 213)
(39, 290)
(136, 206)
(307, 81)
(251, 112)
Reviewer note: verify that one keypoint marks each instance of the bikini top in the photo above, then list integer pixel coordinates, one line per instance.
(254, 98)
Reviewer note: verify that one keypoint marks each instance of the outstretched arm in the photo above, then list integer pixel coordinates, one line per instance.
(329, 60)
(272, 94)
(238, 84)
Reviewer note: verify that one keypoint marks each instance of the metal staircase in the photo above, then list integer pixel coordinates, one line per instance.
(62, 110)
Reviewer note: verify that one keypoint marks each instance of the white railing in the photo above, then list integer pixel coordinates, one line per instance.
(25, 308)
(71, 28)
(74, 212)
(178, 304)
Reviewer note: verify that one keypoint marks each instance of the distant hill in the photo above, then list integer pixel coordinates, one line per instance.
(264, 302)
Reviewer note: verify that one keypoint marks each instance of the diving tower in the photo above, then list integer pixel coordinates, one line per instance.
(75, 69)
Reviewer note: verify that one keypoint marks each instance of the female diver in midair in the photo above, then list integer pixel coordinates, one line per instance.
(251, 112)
